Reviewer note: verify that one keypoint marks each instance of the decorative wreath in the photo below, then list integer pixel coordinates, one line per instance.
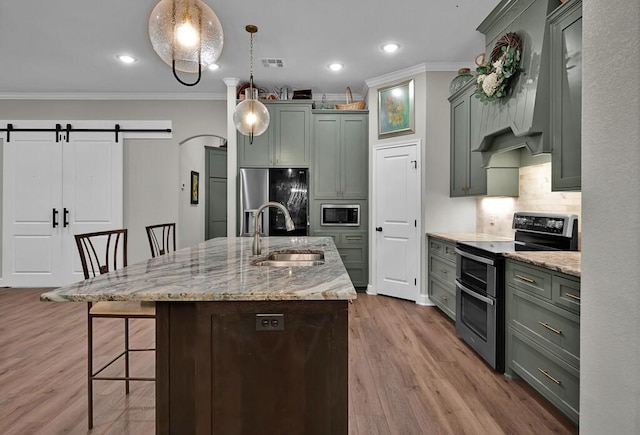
(493, 77)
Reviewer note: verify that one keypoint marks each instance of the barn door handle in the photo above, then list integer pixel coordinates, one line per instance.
(55, 215)
(379, 229)
(65, 216)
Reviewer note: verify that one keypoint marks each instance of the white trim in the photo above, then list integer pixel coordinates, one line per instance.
(412, 71)
(423, 300)
(111, 96)
(371, 291)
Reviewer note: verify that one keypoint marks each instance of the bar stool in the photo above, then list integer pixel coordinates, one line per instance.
(162, 238)
(101, 252)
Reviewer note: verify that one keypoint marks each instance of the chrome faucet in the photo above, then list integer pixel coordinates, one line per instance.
(256, 236)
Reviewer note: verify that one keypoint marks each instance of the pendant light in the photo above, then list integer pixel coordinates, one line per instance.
(251, 117)
(187, 35)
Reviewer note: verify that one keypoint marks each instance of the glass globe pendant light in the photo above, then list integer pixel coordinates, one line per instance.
(250, 116)
(187, 35)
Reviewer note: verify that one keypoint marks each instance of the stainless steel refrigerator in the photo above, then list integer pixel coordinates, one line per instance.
(288, 186)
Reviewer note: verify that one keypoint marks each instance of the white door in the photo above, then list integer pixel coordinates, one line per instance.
(32, 209)
(52, 191)
(397, 210)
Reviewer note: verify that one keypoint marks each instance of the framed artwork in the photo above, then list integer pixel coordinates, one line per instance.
(395, 110)
(195, 188)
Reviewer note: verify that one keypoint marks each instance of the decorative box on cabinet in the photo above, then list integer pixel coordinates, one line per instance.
(565, 27)
(543, 332)
(340, 155)
(442, 275)
(287, 141)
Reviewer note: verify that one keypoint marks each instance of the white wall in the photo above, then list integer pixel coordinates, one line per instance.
(440, 213)
(610, 314)
(154, 169)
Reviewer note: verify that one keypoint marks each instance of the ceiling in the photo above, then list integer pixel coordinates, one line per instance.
(68, 49)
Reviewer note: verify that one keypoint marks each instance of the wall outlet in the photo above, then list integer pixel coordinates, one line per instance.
(269, 322)
(492, 219)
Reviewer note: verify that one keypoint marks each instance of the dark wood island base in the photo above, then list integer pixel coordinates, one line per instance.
(218, 374)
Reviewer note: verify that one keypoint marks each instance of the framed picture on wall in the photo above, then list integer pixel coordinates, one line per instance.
(195, 186)
(395, 110)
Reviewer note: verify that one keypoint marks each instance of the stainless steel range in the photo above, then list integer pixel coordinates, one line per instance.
(480, 296)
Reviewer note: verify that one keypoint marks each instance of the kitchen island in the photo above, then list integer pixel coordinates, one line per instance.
(241, 348)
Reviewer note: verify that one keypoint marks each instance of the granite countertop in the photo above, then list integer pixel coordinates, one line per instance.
(219, 269)
(568, 262)
(468, 237)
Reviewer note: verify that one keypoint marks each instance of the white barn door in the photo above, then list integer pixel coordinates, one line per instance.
(53, 190)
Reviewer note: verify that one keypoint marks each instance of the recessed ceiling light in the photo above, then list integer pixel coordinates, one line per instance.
(213, 67)
(125, 58)
(336, 66)
(390, 47)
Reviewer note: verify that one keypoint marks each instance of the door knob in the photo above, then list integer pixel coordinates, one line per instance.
(379, 229)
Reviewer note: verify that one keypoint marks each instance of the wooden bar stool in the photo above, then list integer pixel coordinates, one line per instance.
(102, 252)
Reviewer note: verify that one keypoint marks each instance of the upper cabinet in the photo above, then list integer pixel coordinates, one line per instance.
(287, 141)
(468, 176)
(565, 26)
(340, 143)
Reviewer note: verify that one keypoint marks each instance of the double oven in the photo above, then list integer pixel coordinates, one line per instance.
(480, 286)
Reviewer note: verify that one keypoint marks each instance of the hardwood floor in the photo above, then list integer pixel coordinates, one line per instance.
(408, 374)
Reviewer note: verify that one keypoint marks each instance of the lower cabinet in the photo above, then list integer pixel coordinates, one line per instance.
(543, 333)
(442, 275)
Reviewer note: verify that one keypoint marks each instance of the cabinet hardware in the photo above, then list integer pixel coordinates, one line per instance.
(449, 251)
(55, 215)
(444, 271)
(435, 246)
(544, 372)
(444, 298)
(525, 279)
(550, 328)
(569, 295)
(65, 217)
(343, 255)
(354, 237)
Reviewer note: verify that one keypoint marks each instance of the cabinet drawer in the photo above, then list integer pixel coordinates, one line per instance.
(443, 249)
(358, 274)
(548, 325)
(351, 237)
(566, 293)
(529, 279)
(552, 377)
(442, 297)
(444, 270)
(352, 254)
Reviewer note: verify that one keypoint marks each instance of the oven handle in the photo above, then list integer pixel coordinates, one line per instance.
(475, 257)
(474, 294)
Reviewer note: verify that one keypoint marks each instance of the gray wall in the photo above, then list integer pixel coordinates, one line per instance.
(154, 170)
(610, 327)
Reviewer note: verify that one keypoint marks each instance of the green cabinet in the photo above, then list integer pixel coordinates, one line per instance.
(468, 176)
(287, 141)
(340, 155)
(565, 27)
(543, 332)
(442, 275)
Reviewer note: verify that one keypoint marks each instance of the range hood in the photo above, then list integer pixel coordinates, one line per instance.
(521, 119)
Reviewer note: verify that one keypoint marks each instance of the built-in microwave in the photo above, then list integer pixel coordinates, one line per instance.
(346, 215)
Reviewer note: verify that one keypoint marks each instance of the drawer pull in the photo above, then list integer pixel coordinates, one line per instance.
(550, 328)
(544, 372)
(525, 279)
(435, 246)
(569, 295)
(343, 255)
(444, 271)
(354, 237)
(449, 251)
(444, 298)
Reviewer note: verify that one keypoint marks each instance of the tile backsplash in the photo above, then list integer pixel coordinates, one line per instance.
(494, 215)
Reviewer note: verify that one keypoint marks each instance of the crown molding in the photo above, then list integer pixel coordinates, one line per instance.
(110, 96)
(411, 71)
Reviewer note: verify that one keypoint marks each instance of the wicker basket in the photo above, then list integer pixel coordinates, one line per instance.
(359, 105)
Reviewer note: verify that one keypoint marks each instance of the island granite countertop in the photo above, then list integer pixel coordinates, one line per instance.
(219, 269)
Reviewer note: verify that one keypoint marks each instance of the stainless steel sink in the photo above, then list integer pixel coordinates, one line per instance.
(292, 259)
